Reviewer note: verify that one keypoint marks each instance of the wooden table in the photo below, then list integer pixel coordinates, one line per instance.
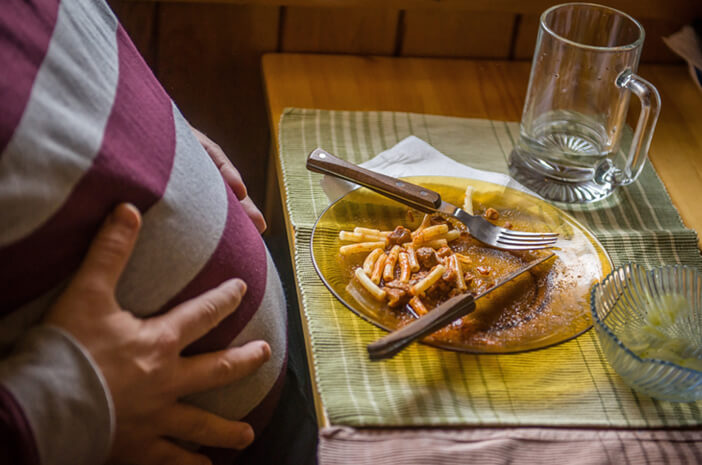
(476, 89)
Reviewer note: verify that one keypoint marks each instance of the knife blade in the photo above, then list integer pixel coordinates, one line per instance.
(442, 315)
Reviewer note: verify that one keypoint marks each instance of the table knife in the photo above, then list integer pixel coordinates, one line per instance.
(442, 315)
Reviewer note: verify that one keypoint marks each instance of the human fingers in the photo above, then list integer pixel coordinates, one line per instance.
(232, 178)
(163, 452)
(196, 317)
(224, 165)
(254, 214)
(215, 369)
(189, 423)
(110, 249)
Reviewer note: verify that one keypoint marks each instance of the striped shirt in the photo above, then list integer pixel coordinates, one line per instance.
(84, 125)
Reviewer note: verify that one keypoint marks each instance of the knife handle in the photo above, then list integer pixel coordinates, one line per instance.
(415, 196)
(449, 311)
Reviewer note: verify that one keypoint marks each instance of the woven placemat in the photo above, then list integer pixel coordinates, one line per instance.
(567, 385)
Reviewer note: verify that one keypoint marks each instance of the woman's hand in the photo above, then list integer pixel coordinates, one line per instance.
(140, 358)
(233, 178)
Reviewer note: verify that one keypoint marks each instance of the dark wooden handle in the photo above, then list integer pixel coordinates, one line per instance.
(423, 199)
(449, 311)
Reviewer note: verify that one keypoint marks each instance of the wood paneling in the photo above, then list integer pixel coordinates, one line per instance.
(662, 9)
(365, 31)
(654, 49)
(138, 19)
(525, 39)
(207, 54)
(443, 33)
(209, 61)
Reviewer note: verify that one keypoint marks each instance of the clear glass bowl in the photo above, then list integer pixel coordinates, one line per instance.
(639, 316)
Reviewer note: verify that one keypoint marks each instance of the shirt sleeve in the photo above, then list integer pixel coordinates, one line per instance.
(16, 439)
(55, 407)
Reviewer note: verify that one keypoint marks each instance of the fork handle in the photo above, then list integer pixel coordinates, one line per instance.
(415, 196)
(449, 311)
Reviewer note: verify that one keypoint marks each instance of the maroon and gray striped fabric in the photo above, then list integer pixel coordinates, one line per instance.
(84, 125)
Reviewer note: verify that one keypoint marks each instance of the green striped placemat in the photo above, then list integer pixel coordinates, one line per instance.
(567, 385)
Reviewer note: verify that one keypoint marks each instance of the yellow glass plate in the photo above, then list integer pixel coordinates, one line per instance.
(557, 308)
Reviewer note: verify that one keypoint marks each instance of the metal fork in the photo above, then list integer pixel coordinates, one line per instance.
(428, 201)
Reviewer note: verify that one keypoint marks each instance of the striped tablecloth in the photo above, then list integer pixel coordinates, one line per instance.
(569, 385)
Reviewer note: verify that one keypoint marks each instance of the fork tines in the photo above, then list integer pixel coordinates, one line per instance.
(521, 240)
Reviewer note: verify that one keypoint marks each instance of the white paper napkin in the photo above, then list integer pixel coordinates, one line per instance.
(414, 157)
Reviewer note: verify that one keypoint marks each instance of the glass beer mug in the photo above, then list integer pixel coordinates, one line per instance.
(582, 76)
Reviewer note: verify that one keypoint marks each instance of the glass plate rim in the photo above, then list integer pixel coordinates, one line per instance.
(590, 235)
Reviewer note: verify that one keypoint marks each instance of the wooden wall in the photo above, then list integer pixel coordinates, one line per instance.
(207, 55)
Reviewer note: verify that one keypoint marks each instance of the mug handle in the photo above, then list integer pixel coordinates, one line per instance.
(640, 143)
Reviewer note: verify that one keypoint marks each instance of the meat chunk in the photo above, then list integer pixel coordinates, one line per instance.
(444, 252)
(492, 214)
(418, 276)
(449, 275)
(427, 257)
(399, 236)
(440, 289)
(437, 219)
(396, 297)
(397, 284)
